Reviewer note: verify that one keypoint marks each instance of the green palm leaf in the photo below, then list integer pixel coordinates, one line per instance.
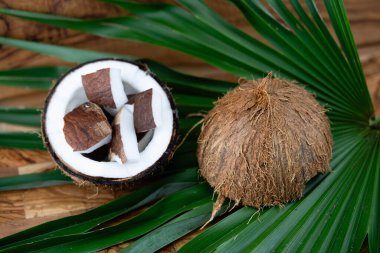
(338, 211)
(168, 22)
(24, 140)
(84, 222)
(155, 216)
(173, 230)
(35, 180)
(33, 78)
(21, 116)
(72, 55)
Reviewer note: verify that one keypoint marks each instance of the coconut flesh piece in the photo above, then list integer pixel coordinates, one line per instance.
(69, 93)
(124, 146)
(86, 128)
(105, 88)
(143, 117)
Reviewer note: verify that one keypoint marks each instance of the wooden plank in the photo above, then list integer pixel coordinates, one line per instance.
(36, 167)
(63, 200)
(11, 207)
(11, 160)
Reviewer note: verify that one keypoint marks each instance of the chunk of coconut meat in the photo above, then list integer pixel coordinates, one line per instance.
(147, 113)
(105, 88)
(86, 128)
(124, 146)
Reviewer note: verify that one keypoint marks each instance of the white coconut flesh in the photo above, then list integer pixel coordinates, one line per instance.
(103, 142)
(117, 89)
(128, 138)
(70, 93)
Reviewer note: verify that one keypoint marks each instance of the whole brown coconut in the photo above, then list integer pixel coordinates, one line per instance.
(262, 142)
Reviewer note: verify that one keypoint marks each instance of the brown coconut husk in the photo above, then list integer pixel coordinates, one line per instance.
(262, 142)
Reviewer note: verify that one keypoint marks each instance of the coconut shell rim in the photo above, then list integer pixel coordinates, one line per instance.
(129, 181)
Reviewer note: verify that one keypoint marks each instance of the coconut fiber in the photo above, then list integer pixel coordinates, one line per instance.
(262, 142)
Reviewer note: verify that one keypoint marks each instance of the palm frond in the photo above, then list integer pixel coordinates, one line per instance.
(34, 180)
(92, 219)
(173, 230)
(23, 140)
(32, 78)
(71, 55)
(173, 27)
(21, 116)
(181, 201)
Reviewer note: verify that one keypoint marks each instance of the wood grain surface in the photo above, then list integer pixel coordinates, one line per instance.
(23, 209)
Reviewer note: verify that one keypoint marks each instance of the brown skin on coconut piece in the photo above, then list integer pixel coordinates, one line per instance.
(124, 144)
(97, 86)
(117, 144)
(86, 126)
(143, 114)
(262, 142)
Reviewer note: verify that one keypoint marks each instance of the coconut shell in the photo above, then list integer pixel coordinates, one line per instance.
(131, 182)
(263, 141)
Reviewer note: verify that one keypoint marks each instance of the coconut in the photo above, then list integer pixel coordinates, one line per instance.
(262, 142)
(98, 82)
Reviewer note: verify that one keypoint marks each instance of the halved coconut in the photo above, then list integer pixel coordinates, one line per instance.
(155, 147)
